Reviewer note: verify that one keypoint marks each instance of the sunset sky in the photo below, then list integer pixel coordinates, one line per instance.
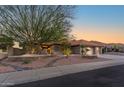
(101, 23)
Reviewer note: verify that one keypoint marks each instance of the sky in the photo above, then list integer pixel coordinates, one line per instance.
(100, 23)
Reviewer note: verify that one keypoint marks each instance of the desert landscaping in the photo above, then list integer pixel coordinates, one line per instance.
(18, 64)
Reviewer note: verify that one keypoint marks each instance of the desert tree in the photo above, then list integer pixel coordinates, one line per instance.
(32, 26)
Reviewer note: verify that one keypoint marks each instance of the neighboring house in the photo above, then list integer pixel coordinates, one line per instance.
(122, 49)
(115, 47)
(5, 49)
(93, 48)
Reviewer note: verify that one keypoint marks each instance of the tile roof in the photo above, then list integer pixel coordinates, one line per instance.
(84, 42)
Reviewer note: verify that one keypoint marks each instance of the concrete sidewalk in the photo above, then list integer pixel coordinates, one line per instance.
(8, 79)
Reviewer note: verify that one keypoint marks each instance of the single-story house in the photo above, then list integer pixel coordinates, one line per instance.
(94, 49)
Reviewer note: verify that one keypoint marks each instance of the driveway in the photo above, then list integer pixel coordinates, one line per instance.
(114, 57)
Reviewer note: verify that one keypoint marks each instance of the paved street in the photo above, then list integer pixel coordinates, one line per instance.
(106, 77)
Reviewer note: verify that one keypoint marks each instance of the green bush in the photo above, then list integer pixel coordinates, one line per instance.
(67, 51)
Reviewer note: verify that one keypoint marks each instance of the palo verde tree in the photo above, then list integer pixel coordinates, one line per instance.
(32, 26)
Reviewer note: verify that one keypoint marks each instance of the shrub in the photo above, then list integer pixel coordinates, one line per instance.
(49, 51)
(67, 52)
(26, 62)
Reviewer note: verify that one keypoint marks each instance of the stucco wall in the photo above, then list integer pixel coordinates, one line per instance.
(90, 52)
(57, 49)
(0, 50)
(3, 55)
(94, 51)
(16, 45)
(97, 50)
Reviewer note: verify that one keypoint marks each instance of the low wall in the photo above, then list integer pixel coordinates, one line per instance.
(17, 51)
(3, 55)
(29, 57)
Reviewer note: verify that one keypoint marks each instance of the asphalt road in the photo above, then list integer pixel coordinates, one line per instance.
(106, 77)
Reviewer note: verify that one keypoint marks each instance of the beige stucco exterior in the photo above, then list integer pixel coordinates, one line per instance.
(92, 51)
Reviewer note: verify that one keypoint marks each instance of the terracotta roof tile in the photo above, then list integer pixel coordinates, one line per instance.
(84, 42)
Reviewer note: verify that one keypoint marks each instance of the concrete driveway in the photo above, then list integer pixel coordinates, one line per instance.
(21, 77)
(114, 57)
